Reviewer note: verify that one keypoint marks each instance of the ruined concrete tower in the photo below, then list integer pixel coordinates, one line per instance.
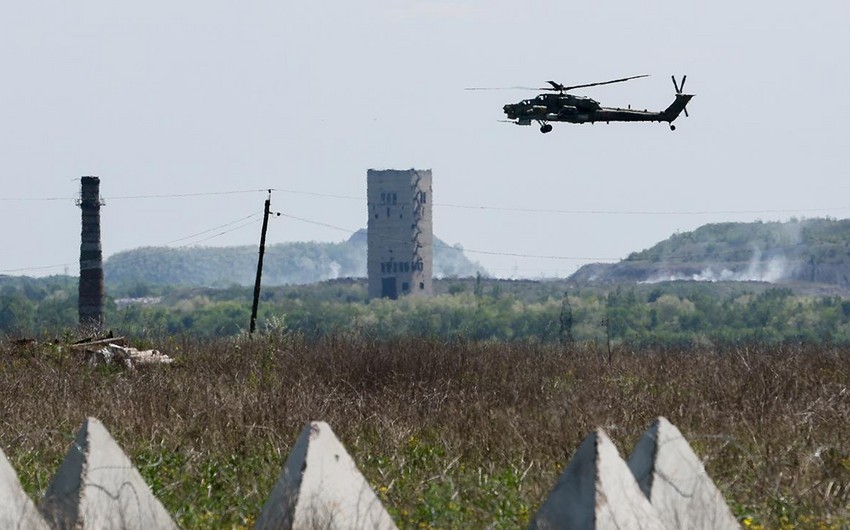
(400, 233)
(91, 256)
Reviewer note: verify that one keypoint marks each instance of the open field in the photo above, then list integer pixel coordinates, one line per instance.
(451, 435)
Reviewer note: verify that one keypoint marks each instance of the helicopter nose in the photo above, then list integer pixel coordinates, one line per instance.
(510, 110)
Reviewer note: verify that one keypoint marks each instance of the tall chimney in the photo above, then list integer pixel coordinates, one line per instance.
(91, 257)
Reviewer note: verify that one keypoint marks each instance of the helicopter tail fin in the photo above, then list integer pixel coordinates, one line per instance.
(672, 112)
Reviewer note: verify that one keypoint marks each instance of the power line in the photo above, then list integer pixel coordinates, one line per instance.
(316, 194)
(637, 212)
(535, 256)
(589, 212)
(458, 206)
(35, 199)
(738, 254)
(303, 220)
(45, 267)
(445, 205)
(243, 225)
(130, 197)
(471, 251)
(213, 236)
(183, 195)
(255, 214)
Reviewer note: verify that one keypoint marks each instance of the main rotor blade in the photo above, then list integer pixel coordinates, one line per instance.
(682, 86)
(602, 83)
(503, 88)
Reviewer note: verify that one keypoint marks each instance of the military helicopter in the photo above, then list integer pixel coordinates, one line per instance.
(561, 106)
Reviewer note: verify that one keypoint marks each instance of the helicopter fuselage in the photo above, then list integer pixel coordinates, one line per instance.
(563, 107)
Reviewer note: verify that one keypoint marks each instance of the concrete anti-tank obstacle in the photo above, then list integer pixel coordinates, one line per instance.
(596, 491)
(674, 480)
(16, 508)
(98, 487)
(321, 487)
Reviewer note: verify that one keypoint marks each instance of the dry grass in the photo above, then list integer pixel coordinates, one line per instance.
(450, 435)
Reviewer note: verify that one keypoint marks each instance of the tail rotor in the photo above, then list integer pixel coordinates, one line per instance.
(679, 87)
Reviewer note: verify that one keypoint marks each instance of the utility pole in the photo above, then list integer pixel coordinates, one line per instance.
(256, 303)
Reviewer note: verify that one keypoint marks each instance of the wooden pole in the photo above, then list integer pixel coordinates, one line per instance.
(256, 303)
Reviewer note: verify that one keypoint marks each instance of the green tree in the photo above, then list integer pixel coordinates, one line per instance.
(16, 311)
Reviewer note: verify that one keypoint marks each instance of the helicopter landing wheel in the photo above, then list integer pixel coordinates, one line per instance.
(672, 127)
(545, 128)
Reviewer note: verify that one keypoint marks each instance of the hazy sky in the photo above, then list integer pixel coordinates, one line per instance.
(203, 97)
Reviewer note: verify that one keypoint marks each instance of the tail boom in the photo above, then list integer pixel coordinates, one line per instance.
(672, 112)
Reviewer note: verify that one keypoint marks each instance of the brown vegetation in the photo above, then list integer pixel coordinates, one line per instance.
(449, 434)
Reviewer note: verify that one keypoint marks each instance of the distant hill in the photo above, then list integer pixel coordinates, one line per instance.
(810, 250)
(285, 263)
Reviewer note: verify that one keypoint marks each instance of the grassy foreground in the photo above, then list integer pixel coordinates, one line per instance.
(450, 435)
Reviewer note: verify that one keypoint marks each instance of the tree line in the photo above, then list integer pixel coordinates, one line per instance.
(676, 313)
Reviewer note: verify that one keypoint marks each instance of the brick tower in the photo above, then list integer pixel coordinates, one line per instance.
(90, 305)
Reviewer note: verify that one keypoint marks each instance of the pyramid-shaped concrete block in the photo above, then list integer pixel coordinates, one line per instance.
(596, 491)
(98, 487)
(16, 508)
(320, 487)
(674, 480)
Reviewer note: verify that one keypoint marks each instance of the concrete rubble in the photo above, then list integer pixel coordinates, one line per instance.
(596, 490)
(113, 350)
(321, 487)
(674, 480)
(98, 487)
(16, 508)
(127, 357)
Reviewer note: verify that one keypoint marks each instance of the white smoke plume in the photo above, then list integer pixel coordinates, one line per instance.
(335, 269)
(757, 270)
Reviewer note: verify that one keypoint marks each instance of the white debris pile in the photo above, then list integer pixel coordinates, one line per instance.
(129, 357)
(114, 351)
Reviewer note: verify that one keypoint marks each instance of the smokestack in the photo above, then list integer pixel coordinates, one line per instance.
(91, 257)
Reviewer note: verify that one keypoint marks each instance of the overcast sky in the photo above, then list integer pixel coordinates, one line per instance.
(205, 97)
